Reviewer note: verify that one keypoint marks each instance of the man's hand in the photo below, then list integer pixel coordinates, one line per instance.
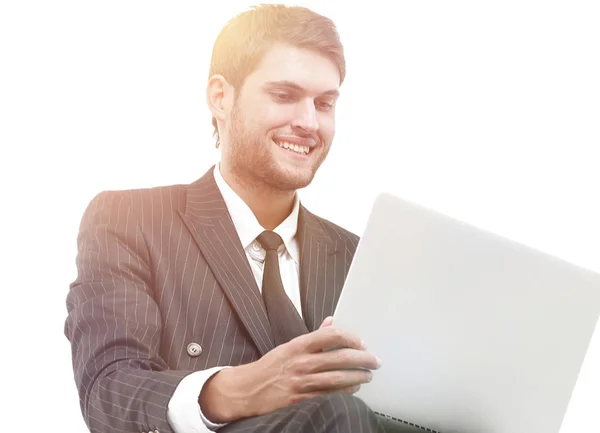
(292, 372)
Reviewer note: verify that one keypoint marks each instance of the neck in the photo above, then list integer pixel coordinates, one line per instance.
(270, 207)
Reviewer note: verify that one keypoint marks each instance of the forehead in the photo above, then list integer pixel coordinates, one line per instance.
(309, 69)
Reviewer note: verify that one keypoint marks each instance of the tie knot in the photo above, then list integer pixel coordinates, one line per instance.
(269, 240)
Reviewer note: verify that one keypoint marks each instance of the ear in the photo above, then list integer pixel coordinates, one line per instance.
(219, 96)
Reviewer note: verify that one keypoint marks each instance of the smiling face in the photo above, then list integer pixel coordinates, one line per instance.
(281, 122)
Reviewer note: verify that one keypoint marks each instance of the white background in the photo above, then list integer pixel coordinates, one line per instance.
(487, 111)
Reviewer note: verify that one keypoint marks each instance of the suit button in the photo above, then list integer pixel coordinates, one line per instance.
(194, 349)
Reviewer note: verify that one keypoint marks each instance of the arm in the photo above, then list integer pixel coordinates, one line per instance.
(114, 325)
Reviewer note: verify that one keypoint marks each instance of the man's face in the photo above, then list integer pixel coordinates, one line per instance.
(282, 123)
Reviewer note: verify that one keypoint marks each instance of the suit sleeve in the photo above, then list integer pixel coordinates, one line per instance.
(114, 324)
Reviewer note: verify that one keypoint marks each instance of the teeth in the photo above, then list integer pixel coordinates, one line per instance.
(294, 147)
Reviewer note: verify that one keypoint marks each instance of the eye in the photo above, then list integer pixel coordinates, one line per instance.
(282, 97)
(324, 105)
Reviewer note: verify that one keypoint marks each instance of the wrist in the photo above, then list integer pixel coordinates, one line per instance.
(222, 399)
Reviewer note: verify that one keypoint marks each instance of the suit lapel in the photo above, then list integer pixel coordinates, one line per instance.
(320, 263)
(210, 224)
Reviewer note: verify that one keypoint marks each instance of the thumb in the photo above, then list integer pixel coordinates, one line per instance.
(327, 322)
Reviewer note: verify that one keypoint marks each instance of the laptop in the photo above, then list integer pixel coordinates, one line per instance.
(477, 333)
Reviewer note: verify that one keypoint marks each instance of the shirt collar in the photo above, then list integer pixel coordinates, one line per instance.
(246, 224)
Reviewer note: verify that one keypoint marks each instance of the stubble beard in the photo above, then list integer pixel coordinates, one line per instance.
(254, 166)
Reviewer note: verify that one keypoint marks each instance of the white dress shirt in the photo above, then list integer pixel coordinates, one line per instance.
(184, 412)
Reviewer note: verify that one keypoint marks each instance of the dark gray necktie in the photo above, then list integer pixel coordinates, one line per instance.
(285, 321)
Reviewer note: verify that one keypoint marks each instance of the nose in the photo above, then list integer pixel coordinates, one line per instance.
(306, 117)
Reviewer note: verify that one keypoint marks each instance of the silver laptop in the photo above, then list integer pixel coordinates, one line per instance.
(477, 333)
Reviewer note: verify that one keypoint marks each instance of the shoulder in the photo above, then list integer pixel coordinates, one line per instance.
(137, 201)
(335, 231)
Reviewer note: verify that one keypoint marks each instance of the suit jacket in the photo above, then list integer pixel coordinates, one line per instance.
(161, 268)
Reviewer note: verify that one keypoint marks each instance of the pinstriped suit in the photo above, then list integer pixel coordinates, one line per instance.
(160, 268)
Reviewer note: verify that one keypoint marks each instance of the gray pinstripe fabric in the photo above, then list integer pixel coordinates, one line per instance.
(162, 267)
(336, 412)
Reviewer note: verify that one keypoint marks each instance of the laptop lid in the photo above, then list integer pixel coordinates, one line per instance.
(477, 333)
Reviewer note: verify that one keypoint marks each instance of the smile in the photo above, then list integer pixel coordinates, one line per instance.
(300, 149)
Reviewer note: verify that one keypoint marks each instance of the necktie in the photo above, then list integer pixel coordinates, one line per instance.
(285, 321)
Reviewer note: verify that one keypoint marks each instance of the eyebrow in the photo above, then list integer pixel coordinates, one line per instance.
(295, 86)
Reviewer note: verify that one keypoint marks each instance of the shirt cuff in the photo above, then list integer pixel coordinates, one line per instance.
(183, 412)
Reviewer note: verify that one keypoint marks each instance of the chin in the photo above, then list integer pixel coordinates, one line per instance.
(291, 180)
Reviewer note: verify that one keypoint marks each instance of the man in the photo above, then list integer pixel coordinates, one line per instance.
(207, 306)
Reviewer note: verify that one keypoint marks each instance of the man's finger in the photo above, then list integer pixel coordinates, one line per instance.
(341, 359)
(335, 380)
(350, 390)
(330, 337)
(327, 322)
